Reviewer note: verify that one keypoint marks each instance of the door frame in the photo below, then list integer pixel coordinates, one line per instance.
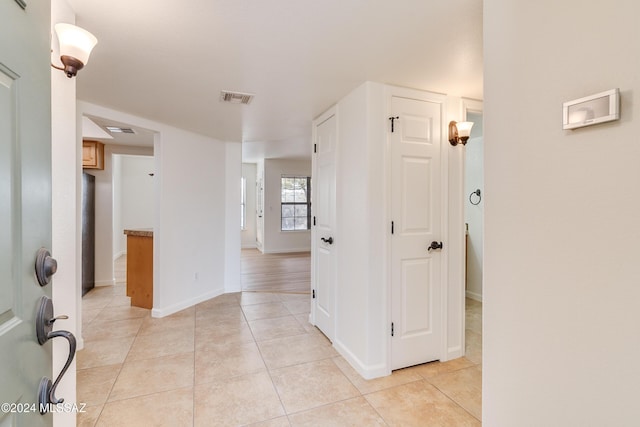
(476, 106)
(389, 92)
(454, 346)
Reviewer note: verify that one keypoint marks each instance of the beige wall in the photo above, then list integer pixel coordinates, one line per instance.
(562, 283)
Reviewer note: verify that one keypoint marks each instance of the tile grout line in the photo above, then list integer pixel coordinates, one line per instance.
(121, 365)
(275, 389)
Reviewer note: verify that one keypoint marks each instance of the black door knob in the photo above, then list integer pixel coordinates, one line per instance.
(434, 245)
(329, 240)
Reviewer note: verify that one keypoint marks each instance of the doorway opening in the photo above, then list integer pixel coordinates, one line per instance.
(474, 219)
(285, 265)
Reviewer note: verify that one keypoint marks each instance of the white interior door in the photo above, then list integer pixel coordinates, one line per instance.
(416, 215)
(25, 205)
(324, 212)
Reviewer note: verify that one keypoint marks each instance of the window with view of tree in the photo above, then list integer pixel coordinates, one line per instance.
(296, 203)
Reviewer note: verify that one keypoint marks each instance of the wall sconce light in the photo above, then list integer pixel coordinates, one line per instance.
(75, 47)
(459, 132)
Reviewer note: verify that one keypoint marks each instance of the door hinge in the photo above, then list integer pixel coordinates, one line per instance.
(314, 220)
(392, 329)
(393, 119)
(392, 227)
(315, 148)
(313, 293)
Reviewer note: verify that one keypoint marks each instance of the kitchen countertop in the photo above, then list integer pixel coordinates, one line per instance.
(140, 232)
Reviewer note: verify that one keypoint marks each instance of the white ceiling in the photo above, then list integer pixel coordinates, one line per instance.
(168, 60)
(140, 138)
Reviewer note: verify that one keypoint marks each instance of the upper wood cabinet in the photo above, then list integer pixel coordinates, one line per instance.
(92, 155)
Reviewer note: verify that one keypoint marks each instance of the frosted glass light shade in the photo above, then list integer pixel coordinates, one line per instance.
(464, 129)
(75, 42)
(460, 132)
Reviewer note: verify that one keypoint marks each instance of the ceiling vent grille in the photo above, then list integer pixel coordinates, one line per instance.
(235, 97)
(117, 129)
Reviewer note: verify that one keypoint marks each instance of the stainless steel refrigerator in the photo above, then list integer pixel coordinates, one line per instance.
(88, 232)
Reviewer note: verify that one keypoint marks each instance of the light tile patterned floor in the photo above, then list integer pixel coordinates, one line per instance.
(253, 359)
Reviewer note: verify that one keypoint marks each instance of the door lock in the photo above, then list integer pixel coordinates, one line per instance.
(434, 245)
(329, 240)
(46, 266)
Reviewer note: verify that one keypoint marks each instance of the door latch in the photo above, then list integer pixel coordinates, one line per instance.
(45, 332)
(329, 240)
(434, 245)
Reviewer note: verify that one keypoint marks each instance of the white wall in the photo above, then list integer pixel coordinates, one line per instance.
(561, 340)
(190, 227)
(260, 205)
(233, 245)
(119, 242)
(249, 173)
(133, 197)
(361, 291)
(473, 214)
(107, 241)
(276, 240)
(66, 235)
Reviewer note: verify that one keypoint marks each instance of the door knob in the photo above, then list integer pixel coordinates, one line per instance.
(46, 266)
(329, 240)
(45, 332)
(434, 245)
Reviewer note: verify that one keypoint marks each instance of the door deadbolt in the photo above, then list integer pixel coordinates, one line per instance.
(46, 266)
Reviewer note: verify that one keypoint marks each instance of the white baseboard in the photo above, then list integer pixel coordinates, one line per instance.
(288, 251)
(250, 246)
(368, 372)
(102, 283)
(174, 308)
(228, 289)
(119, 254)
(474, 296)
(453, 353)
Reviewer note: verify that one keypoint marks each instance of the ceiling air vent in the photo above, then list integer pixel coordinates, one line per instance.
(235, 97)
(117, 129)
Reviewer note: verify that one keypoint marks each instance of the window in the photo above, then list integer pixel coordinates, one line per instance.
(243, 203)
(296, 203)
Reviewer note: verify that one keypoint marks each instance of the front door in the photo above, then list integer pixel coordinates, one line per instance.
(324, 217)
(416, 214)
(25, 204)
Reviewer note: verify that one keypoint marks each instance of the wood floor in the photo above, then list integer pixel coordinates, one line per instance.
(284, 273)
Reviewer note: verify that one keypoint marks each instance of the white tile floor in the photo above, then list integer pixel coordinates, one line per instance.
(253, 359)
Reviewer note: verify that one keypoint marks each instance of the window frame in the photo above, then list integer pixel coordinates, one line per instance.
(294, 204)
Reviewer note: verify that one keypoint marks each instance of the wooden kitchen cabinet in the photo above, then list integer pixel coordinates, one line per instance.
(92, 155)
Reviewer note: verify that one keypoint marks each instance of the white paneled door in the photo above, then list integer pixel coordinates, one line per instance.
(25, 207)
(416, 214)
(324, 216)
